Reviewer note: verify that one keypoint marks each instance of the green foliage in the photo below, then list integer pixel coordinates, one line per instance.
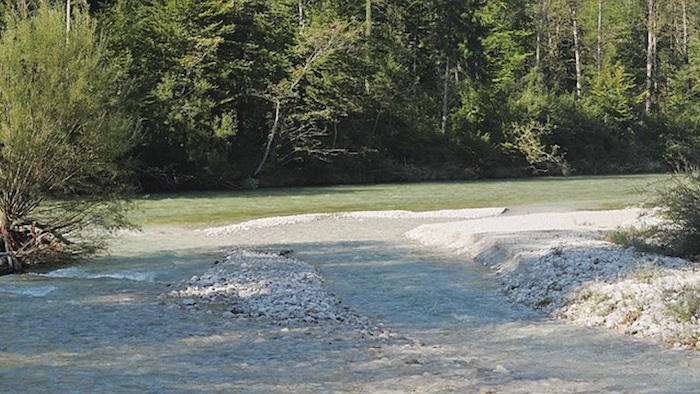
(686, 306)
(316, 91)
(528, 140)
(506, 46)
(613, 99)
(680, 201)
(304, 91)
(191, 63)
(641, 239)
(65, 136)
(532, 100)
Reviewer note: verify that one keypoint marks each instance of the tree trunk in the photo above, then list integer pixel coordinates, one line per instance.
(577, 51)
(445, 96)
(302, 22)
(552, 35)
(539, 27)
(68, 13)
(651, 54)
(368, 17)
(415, 55)
(655, 52)
(599, 51)
(270, 137)
(8, 262)
(684, 4)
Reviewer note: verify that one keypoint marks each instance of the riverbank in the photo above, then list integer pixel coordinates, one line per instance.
(560, 264)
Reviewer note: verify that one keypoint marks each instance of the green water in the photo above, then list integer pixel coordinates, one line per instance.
(600, 192)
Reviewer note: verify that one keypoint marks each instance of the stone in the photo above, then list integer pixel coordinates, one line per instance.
(501, 369)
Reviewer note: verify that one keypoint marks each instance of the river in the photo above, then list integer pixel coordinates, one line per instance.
(100, 327)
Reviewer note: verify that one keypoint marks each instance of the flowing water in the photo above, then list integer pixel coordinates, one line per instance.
(100, 328)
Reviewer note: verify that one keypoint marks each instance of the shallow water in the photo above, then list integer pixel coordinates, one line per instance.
(100, 327)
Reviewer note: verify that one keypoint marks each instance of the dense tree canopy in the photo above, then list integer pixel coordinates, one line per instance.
(232, 93)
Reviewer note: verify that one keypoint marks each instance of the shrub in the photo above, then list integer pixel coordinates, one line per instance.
(64, 138)
(680, 202)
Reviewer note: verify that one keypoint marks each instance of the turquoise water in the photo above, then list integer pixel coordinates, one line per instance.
(553, 193)
(101, 328)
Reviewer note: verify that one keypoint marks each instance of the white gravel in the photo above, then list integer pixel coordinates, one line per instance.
(271, 287)
(559, 264)
(396, 214)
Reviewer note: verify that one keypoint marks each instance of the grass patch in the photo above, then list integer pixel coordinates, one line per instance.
(210, 208)
(686, 306)
(647, 275)
(641, 239)
(600, 304)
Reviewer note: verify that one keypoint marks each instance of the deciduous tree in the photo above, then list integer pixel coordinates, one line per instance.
(64, 138)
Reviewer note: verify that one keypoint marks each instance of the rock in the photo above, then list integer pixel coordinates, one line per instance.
(236, 310)
(501, 369)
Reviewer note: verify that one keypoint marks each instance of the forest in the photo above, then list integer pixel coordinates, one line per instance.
(257, 93)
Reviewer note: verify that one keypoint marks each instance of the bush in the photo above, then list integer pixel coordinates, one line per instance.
(680, 202)
(64, 138)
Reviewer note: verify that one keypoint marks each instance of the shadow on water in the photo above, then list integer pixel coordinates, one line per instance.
(295, 192)
(501, 184)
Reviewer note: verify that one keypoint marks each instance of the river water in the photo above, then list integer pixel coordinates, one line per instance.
(100, 327)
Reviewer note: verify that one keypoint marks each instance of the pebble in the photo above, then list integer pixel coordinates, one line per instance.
(501, 369)
(273, 287)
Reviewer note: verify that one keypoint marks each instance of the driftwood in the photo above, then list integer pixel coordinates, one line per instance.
(30, 243)
(10, 264)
